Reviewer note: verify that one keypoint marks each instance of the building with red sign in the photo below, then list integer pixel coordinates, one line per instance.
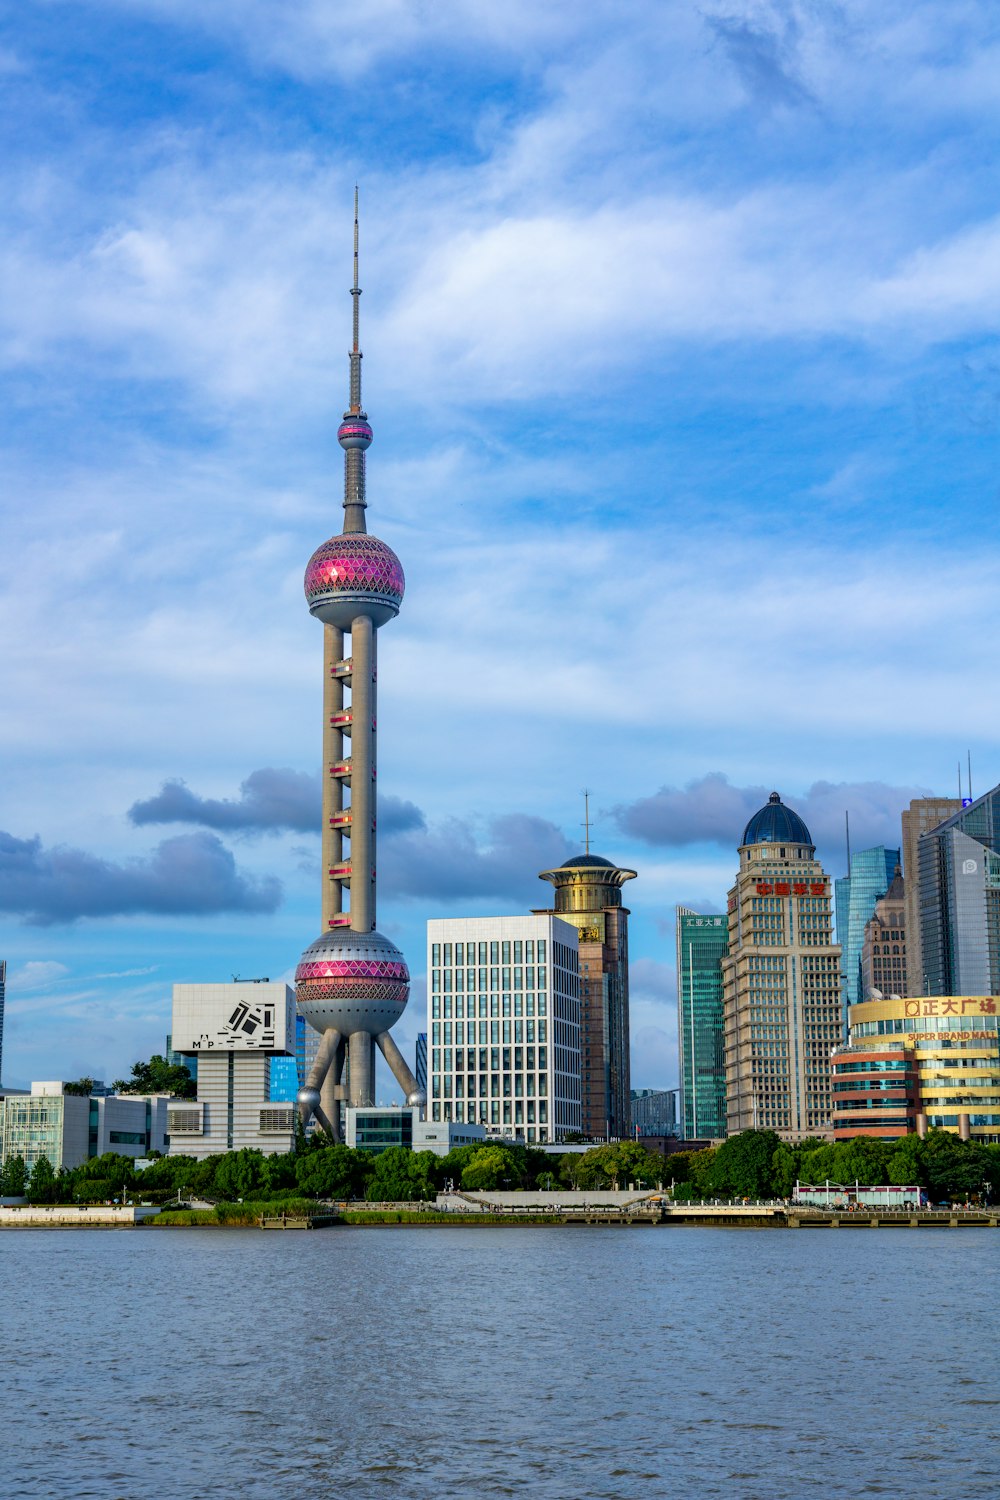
(781, 981)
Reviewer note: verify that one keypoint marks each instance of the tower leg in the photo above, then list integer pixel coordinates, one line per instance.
(363, 646)
(331, 1094)
(311, 1103)
(412, 1093)
(361, 1058)
(332, 843)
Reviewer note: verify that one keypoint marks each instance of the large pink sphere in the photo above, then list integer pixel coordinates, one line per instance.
(354, 574)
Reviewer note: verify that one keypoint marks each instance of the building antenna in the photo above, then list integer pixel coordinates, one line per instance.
(586, 819)
(960, 781)
(969, 754)
(847, 834)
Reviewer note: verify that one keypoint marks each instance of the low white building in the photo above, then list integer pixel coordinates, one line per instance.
(235, 1031)
(503, 1024)
(69, 1129)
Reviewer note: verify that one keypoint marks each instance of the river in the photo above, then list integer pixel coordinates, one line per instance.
(545, 1362)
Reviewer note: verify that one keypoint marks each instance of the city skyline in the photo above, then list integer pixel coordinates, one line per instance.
(709, 380)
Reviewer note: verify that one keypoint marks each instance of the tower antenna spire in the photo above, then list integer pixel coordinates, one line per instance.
(586, 819)
(355, 432)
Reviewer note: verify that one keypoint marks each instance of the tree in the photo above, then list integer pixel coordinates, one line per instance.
(743, 1165)
(490, 1167)
(400, 1175)
(334, 1172)
(83, 1086)
(13, 1177)
(158, 1076)
(42, 1183)
(240, 1174)
(784, 1169)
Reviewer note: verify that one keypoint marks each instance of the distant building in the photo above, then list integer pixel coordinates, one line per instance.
(3, 996)
(856, 894)
(702, 943)
(588, 894)
(176, 1060)
(503, 1015)
(420, 1061)
(883, 949)
(235, 1031)
(918, 1063)
(781, 979)
(654, 1111)
(68, 1129)
(922, 815)
(286, 1075)
(959, 874)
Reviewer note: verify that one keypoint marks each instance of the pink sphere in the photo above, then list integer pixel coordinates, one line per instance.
(354, 574)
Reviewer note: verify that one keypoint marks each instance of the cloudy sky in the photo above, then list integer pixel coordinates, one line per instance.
(681, 336)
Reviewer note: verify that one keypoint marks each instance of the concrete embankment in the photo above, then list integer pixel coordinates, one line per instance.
(73, 1216)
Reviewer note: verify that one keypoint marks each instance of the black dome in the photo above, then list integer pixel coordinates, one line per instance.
(586, 859)
(776, 824)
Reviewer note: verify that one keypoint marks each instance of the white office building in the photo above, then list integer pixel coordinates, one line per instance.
(235, 1031)
(503, 1023)
(68, 1129)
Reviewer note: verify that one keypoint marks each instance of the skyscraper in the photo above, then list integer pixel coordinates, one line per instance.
(702, 942)
(588, 895)
(868, 878)
(883, 950)
(3, 995)
(959, 875)
(781, 981)
(923, 814)
(352, 984)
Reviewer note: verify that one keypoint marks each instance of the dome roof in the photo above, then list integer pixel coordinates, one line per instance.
(776, 824)
(584, 860)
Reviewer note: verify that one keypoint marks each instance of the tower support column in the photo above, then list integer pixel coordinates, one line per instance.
(363, 652)
(331, 842)
(361, 1048)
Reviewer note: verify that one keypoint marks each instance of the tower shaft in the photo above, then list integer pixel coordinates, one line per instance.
(332, 837)
(363, 807)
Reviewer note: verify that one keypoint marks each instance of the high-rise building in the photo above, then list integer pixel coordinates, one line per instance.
(959, 874)
(588, 895)
(654, 1111)
(883, 949)
(503, 1016)
(352, 984)
(856, 894)
(236, 1031)
(781, 981)
(288, 1074)
(702, 942)
(420, 1061)
(3, 995)
(923, 814)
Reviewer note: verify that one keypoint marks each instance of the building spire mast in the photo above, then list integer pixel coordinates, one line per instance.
(355, 433)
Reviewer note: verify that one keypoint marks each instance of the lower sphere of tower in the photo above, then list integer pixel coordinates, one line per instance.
(352, 981)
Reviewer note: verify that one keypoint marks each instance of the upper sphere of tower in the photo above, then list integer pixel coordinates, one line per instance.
(355, 432)
(776, 824)
(354, 574)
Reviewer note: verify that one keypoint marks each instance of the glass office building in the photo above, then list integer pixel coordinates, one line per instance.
(702, 942)
(870, 876)
(959, 871)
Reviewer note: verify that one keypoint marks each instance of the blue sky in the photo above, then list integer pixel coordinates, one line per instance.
(681, 350)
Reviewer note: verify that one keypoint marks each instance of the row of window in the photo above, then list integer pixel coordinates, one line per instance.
(493, 1005)
(499, 1059)
(491, 1085)
(460, 981)
(533, 1117)
(465, 1032)
(494, 953)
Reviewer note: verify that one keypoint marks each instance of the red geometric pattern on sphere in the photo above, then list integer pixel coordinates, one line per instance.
(355, 563)
(352, 968)
(352, 989)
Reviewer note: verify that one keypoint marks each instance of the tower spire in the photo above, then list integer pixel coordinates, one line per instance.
(355, 433)
(586, 818)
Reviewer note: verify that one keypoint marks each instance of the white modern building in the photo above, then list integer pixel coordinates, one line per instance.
(503, 1022)
(235, 1031)
(68, 1129)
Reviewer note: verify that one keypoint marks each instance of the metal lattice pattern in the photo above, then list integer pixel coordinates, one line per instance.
(355, 563)
(352, 989)
(353, 968)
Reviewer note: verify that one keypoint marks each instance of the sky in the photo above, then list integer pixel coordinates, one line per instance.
(682, 351)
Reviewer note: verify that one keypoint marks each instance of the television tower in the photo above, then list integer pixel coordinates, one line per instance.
(351, 984)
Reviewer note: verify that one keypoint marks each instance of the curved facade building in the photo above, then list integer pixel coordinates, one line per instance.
(917, 1063)
(589, 895)
(352, 983)
(781, 981)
